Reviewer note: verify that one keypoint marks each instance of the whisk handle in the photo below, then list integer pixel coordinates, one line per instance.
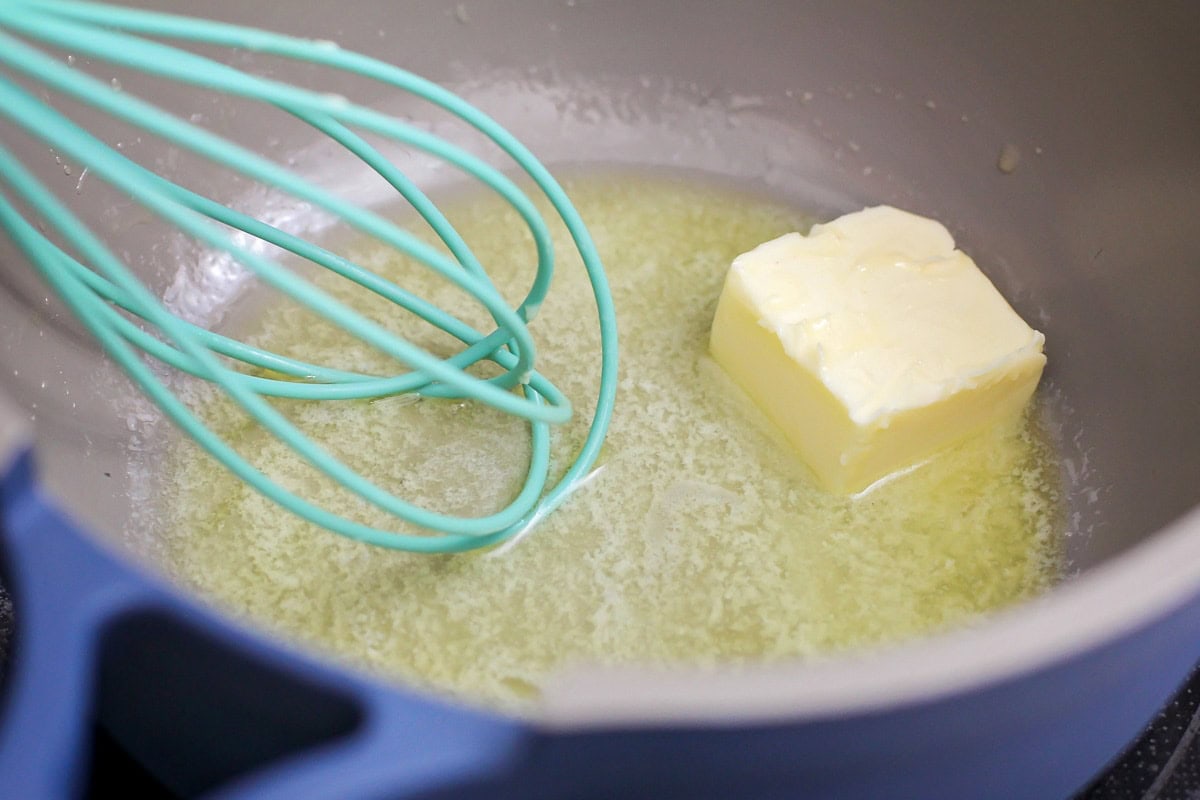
(206, 707)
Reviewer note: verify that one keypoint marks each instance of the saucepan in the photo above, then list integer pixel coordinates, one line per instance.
(1059, 142)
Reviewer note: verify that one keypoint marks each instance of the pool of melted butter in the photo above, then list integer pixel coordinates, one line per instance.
(701, 538)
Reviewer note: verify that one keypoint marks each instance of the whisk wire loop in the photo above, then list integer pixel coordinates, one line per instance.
(100, 290)
(108, 164)
(84, 305)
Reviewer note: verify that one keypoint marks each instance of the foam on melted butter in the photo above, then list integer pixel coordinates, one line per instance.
(702, 539)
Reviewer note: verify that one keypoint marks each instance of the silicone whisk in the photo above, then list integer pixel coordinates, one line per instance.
(136, 329)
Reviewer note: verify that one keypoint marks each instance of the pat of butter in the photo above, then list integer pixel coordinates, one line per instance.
(872, 343)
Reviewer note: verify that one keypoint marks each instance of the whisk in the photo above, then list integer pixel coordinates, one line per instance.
(136, 329)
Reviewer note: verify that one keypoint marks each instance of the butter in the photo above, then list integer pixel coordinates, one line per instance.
(872, 343)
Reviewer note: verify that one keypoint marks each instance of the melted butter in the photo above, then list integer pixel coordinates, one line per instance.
(702, 538)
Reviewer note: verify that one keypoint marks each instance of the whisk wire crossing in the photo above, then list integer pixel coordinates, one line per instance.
(129, 322)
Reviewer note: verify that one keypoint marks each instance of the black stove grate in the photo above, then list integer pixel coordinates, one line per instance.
(1164, 762)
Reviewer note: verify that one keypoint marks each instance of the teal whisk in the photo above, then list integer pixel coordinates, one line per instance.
(130, 323)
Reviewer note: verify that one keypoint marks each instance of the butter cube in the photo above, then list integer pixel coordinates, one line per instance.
(872, 343)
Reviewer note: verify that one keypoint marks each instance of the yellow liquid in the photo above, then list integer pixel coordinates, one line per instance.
(702, 540)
